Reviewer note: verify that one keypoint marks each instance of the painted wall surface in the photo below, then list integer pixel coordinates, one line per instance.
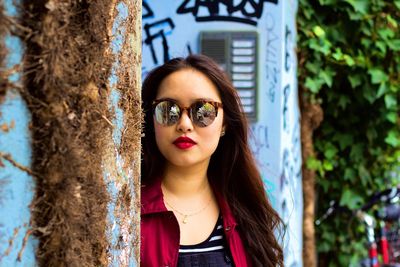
(171, 29)
(17, 246)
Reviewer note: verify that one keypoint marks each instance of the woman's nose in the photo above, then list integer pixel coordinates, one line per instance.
(184, 123)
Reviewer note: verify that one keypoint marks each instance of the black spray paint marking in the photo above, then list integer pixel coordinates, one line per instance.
(244, 11)
(272, 69)
(272, 77)
(189, 48)
(260, 140)
(288, 184)
(286, 92)
(166, 24)
(288, 39)
(284, 186)
(295, 146)
(284, 180)
(147, 11)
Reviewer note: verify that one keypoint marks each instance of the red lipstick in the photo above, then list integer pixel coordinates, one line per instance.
(184, 142)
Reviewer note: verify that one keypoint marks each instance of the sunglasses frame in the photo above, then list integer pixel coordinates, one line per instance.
(215, 104)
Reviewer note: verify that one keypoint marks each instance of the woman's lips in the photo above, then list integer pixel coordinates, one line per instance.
(184, 142)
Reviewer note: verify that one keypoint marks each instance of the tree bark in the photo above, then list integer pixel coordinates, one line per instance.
(311, 118)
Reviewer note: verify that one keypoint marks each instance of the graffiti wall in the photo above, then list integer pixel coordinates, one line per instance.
(172, 29)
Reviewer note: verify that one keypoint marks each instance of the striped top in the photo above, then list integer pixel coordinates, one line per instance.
(215, 242)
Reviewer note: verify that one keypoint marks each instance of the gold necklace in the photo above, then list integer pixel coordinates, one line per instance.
(185, 216)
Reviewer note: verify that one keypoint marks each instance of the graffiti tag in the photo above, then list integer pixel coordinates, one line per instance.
(272, 68)
(286, 92)
(244, 11)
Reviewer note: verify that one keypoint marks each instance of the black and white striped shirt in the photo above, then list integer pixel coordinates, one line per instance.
(215, 242)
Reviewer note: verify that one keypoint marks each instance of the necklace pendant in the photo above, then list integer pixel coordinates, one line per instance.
(184, 219)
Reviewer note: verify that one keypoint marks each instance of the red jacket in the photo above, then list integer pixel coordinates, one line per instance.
(160, 233)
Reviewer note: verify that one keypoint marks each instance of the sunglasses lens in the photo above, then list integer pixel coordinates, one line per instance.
(167, 113)
(203, 113)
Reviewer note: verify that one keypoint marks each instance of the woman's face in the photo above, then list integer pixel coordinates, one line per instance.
(185, 87)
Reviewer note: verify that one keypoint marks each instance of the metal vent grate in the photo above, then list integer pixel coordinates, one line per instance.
(236, 53)
(214, 49)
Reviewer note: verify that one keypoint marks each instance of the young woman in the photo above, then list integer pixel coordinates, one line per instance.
(202, 202)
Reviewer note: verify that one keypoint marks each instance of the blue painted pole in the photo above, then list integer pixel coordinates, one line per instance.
(120, 158)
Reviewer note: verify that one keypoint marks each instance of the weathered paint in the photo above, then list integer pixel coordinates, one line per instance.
(120, 173)
(123, 229)
(17, 246)
(275, 136)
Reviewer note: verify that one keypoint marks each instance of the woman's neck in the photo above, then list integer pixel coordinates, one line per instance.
(185, 182)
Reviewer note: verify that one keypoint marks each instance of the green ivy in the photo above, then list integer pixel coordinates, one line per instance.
(349, 63)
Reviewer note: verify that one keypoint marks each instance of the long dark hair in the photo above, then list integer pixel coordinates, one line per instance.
(232, 169)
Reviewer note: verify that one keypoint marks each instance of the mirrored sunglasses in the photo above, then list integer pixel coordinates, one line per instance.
(202, 112)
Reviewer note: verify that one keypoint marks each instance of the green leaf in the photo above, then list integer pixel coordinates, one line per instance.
(350, 199)
(369, 93)
(381, 45)
(394, 44)
(327, 2)
(386, 33)
(327, 76)
(343, 101)
(318, 31)
(325, 184)
(338, 55)
(393, 88)
(327, 165)
(313, 85)
(364, 174)
(357, 152)
(330, 151)
(390, 101)
(366, 42)
(345, 140)
(320, 45)
(328, 236)
(391, 21)
(349, 174)
(382, 90)
(313, 67)
(378, 76)
(360, 6)
(392, 117)
(393, 138)
(397, 3)
(355, 80)
(349, 60)
(313, 163)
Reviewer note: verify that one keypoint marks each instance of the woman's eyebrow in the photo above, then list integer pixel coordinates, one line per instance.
(192, 101)
(205, 99)
(166, 98)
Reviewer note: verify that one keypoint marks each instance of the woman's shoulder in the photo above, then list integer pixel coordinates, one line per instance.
(151, 197)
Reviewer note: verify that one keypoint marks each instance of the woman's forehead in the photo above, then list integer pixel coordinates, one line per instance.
(188, 85)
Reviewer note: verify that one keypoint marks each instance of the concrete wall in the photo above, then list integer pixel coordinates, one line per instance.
(275, 136)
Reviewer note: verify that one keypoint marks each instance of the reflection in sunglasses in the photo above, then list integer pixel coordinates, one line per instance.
(202, 113)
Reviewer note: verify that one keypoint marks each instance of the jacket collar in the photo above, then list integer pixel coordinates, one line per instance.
(152, 201)
(152, 198)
